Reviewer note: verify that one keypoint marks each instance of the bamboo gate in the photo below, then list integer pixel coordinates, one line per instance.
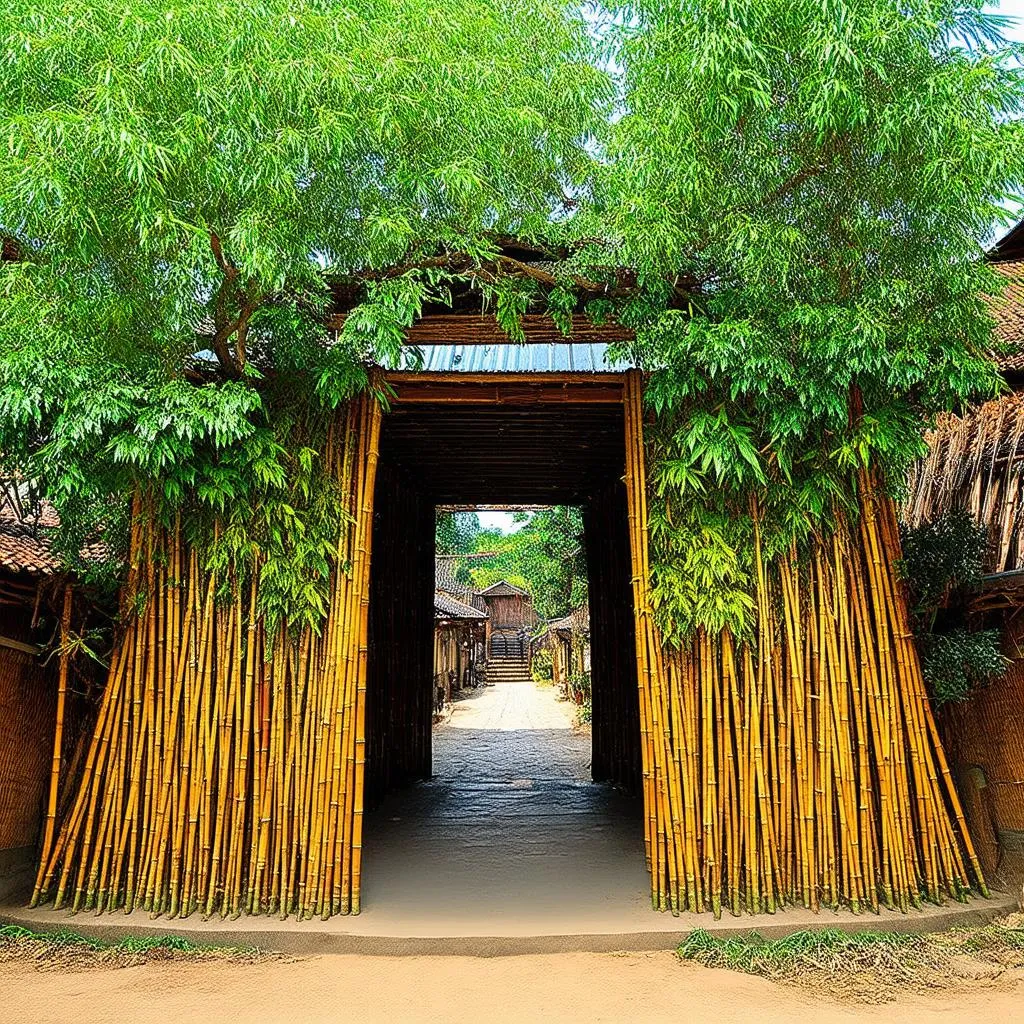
(226, 771)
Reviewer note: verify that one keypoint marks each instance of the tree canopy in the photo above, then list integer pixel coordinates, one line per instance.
(183, 184)
(785, 198)
(803, 190)
(545, 556)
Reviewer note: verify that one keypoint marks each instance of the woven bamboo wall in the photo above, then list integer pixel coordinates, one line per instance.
(985, 738)
(26, 735)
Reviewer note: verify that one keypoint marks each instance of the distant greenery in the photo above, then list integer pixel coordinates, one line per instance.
(943, 564)
(456, 532)
(545, 556)
(798, 192)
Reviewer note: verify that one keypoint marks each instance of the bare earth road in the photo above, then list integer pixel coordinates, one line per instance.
(636, 987)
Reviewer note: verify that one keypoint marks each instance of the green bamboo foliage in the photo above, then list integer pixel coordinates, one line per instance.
(225, 772)
(801, 765)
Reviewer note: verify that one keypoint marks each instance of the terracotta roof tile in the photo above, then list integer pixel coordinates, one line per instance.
(26, 541)
(446, 607)
(1009, 313)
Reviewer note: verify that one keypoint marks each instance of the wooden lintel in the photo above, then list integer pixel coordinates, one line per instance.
(17, 645)
(506, 389)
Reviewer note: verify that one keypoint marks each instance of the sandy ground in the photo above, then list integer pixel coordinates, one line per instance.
(571, 987)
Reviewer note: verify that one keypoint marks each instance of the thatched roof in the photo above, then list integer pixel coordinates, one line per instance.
(975, 462)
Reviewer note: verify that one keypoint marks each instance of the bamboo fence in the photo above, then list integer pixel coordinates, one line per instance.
(976, 463)
(225, 770)
(802, 766)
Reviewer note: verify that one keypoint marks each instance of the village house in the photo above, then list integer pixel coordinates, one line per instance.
(460, 644)
(567, 641)
(510, 618)
(976, 464)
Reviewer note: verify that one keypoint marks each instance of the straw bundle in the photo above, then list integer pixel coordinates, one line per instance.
(803, 765)
(225, 771)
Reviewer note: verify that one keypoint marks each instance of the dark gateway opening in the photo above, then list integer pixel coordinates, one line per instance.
(487, 451)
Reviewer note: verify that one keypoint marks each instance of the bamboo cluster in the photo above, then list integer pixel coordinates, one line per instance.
(976, 463)
(225, 771)
(802, 766)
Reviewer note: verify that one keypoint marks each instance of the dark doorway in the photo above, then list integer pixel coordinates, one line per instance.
(464, 453)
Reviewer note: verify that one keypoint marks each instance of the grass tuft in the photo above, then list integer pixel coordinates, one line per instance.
(68, 950)
(867, 966)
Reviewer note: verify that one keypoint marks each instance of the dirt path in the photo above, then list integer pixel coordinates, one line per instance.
(639, 988)
(510, 730)
(510, 836)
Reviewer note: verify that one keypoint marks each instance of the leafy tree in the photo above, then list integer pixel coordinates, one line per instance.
(802, 189)
(545, 556)
(184, 186)
(456, 532)
(943, 564)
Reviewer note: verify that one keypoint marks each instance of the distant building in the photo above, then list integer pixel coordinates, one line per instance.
(510, 620)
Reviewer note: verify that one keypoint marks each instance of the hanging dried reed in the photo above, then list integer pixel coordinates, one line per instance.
(975, 462)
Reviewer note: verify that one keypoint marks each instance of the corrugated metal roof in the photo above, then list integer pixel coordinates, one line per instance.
(531, 357)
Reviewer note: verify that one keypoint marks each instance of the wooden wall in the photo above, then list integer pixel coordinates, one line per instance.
(400, 693)
(27, 708)
(510, 611)
(615, 719)
(984, 738)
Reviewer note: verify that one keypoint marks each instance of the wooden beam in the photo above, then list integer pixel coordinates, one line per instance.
(17, 645)
(506, 389)
(483, 329)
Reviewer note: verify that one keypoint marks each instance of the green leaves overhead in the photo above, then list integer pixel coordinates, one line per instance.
(803, 190)
(183, 185)
(799, 192)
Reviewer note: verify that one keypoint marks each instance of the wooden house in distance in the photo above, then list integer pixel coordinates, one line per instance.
(460, 633)
(568, 641)
(511, 617)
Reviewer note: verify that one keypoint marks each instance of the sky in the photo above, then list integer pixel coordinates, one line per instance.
(1014, 8)
(502, 520)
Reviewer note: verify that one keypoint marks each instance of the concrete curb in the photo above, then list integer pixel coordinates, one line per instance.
(306, 939)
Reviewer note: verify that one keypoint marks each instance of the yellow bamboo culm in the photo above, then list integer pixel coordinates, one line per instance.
(800, 765)
(225, 769)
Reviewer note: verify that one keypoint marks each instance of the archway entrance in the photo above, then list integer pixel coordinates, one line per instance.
(522, 830)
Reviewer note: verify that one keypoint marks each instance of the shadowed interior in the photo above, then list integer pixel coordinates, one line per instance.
(489, 453)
